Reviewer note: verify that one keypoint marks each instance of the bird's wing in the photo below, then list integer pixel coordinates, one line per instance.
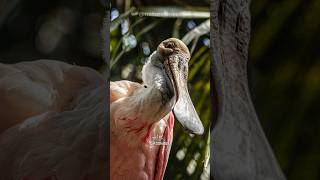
(121, 89)
(65, 143)
(31, 88)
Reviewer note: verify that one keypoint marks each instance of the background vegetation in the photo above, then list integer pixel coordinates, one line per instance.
(285, 81)
(284, 65)
(53, 29)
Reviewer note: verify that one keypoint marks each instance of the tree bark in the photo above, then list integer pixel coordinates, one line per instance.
(239, 148)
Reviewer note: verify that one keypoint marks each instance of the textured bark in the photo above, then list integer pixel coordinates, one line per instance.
(239, 148)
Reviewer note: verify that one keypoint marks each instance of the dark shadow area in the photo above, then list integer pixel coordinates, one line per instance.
(284, 67)
(62, 30)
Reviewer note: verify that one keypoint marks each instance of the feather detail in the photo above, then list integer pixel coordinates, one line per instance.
(63, 138)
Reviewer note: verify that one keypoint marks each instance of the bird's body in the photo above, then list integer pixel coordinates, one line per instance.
(52, 118)
(135, 153)
(32, 88)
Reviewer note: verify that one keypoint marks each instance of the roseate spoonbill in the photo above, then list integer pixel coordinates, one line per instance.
(52, 119)
(141, 117)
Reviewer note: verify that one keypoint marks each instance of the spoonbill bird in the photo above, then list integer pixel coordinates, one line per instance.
(141, 117)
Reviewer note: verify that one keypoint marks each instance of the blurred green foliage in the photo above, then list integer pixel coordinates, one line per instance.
(53, 29)
(133, 39)
(285, 81)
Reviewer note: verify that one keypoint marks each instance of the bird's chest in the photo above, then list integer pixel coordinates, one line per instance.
(138, 157)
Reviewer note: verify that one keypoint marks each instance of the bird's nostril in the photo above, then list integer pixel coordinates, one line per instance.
(169, 45)
(165, 49)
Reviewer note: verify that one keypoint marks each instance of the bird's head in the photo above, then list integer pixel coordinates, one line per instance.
(167, 69)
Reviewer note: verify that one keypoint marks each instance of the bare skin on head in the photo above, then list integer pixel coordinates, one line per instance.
(138, 111)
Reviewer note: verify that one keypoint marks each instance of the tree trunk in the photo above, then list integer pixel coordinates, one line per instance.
(239, 148)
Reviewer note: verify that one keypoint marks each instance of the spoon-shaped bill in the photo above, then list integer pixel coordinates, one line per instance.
(184, 110)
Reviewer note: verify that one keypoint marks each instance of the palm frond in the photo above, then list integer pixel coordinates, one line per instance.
(195, 33)
(172, 12)
(116, 22)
